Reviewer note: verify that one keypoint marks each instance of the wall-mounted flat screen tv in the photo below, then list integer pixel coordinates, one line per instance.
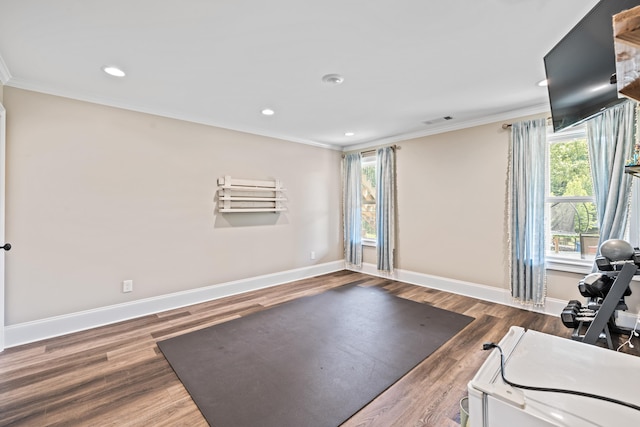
(581, 67)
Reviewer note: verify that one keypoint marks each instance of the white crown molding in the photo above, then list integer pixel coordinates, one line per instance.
(24, 333)
(434, 130)
(26, 85)
(454, 125)
(5, 75)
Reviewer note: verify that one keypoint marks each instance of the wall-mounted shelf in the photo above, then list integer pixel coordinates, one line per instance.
(626, 35)
(633, 170)
(246, 195)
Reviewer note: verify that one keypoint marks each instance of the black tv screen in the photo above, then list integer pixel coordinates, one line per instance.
(581, 67)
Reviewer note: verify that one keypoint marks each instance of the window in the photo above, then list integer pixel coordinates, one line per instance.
(634, 214)
(369, 199)
(571, 219)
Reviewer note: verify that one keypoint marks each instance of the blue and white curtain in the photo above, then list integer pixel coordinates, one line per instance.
(611, 137)
(353, 209)
(527, 175)
(385, 208)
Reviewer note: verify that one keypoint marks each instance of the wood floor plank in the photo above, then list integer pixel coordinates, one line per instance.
(115, 375)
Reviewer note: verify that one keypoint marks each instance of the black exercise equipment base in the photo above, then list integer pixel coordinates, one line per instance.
(603, 323)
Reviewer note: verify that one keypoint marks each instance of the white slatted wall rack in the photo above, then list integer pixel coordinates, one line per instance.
(246, 195)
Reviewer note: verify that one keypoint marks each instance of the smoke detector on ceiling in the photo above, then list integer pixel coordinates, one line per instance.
(332, 79)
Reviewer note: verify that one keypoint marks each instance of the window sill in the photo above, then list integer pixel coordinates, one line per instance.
(369, 242)
(568, 265)
(575, 266)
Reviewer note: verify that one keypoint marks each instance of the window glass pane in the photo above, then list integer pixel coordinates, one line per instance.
(574, 230)
(369, 198)
(571, 213)
(570, 174)
(574, 217)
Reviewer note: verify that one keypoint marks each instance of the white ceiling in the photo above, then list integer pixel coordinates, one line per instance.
(220, 62)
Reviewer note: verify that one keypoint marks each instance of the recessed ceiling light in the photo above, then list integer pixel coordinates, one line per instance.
(268, 112)
(349, 134)
(113, 71)
(543, 83)
(332, 79)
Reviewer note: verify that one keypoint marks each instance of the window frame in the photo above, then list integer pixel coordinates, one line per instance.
(584, 266)
(367, 159)
(554, 261)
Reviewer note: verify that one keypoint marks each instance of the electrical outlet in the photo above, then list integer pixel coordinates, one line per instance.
(127, 286)
(313, 255)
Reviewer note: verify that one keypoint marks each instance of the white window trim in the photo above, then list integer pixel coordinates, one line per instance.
(634, 212)
(369, 158)
(571, 133)
(575, 199)
(369, 242)
(557, 262)
(571, 265)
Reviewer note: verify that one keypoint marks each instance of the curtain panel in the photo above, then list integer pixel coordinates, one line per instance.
(352, 205)
(527, 175)
(385, 208)
(611, 138)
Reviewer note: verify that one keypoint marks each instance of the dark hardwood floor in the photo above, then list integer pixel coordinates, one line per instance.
(116, 376)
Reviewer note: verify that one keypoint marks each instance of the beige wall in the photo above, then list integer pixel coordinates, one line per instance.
(564, 285)
(451, 210)
(97, 195)
(451, 204)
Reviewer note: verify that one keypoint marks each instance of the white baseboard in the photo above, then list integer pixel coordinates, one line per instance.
(626, 319)
(553, 306)
(24, 333)
(28, 332)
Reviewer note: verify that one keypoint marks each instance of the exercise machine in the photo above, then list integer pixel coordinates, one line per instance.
(605, 292)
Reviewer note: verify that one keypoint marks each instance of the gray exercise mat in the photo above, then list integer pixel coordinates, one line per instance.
(314, 361)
